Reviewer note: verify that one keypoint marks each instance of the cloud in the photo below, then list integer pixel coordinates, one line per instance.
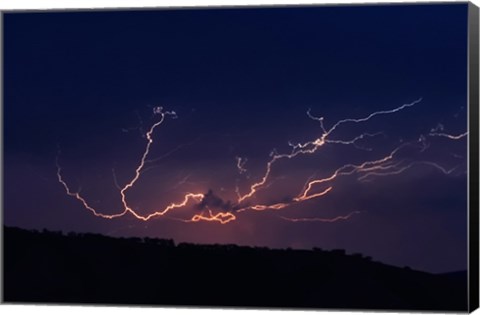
(211, 200)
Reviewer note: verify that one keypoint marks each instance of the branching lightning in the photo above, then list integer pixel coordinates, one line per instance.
(241, 165)
(314, 187)
(400, 169)
(355, 140)
(123, 190)
(312, 146)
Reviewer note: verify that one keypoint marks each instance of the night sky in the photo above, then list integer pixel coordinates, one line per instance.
(82, 88)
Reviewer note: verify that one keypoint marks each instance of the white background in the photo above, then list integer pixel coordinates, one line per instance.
(71, 4)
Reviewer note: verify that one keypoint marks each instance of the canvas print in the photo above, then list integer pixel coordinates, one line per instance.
(281, 157)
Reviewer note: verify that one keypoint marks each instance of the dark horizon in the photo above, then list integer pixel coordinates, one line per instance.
(322, 279)
(147, 239)
(229, 91)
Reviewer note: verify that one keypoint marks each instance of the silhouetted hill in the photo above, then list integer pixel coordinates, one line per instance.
(86, 268)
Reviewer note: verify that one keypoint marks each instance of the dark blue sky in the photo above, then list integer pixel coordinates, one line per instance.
(241, 82)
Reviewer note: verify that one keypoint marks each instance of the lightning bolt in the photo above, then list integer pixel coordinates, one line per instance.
(181, 182)
(438, 132)
(115, 179)
(165, 155)
(381, 166)
(347, 169)
(123, 190)
(446, 135)
(77, 196)
(312, 146)
(221, 217)
(355, 140)
(402, 169)
(382, 112)
(276, 206)
(209, 216)
(241, 164)
(324, 220)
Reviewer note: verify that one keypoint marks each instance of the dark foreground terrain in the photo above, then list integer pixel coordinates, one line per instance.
(49, 267)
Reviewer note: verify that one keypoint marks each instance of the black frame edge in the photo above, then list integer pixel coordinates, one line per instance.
(473, 106)
(2, 183)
